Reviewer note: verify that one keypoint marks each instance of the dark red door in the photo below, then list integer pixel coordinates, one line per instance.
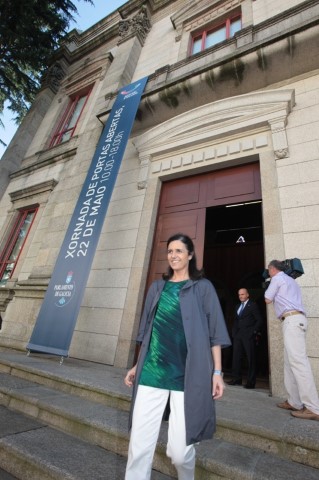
(183, 206)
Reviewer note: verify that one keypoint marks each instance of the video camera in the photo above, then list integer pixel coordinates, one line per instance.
(292, 267)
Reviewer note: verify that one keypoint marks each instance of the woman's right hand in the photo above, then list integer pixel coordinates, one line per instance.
(130, 377)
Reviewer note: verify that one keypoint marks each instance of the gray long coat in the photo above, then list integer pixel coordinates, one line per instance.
(204, 327)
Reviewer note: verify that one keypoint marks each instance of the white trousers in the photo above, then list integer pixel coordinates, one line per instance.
(299, 380)
(148, 412)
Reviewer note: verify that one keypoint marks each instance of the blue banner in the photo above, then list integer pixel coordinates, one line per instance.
(54, 327)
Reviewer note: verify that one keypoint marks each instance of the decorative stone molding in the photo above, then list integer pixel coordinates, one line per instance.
(37, 189)
(6, 295)
(224, 130)
(141, 185)
(72, 40)
(87, 73)
(212, 154)
(137, 26)
(279, 137)
(33, 287)
(54, 77)
(129, 7)
(59, 153)
(145, 163)
(195, 15)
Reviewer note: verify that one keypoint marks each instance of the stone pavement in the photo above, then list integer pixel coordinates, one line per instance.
(69, 421)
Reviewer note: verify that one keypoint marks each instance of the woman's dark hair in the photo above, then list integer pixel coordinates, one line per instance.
(194, 272)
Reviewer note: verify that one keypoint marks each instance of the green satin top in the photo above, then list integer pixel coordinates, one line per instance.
(164, 365)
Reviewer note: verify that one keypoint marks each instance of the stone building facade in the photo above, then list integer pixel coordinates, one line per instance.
(231, 107)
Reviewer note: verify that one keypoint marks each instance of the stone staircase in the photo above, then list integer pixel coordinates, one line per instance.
(70, 422)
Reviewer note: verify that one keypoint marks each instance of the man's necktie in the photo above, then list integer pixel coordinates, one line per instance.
(241, 309)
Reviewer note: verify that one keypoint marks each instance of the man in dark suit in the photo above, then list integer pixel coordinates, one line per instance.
(247, 324)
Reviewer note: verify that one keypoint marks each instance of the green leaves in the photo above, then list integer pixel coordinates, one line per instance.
(30, 32)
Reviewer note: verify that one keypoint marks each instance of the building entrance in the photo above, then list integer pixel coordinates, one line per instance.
(221, 212)
(234, 259)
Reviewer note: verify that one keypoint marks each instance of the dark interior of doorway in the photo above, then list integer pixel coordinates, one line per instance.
(233, 259)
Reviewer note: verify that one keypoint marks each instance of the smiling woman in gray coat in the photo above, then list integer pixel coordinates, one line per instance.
(182, 331)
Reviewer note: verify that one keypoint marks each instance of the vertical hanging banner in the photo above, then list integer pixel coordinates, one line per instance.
(54, 327)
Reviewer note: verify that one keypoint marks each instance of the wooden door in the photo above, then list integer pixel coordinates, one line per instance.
(183, 206)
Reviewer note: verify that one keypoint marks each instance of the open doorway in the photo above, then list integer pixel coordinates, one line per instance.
(233, 259)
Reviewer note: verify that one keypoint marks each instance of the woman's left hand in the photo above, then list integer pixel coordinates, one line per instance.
(130, 377)
(218, 386)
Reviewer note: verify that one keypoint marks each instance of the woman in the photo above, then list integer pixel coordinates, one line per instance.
(182, 332)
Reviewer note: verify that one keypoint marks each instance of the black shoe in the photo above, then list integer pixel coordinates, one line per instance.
(234, 382)
(249, 385)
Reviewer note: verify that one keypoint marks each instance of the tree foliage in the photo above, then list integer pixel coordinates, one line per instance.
(30, 31)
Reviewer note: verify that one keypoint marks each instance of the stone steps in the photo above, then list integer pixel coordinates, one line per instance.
(92, 381)
(32, 450)
(89, 403)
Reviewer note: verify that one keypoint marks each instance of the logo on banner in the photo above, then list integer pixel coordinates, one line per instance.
(130, 93)
(63, 293)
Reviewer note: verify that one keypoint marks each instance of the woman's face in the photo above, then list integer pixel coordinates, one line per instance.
(178, 256)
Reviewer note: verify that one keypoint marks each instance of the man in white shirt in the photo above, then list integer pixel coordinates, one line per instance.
(285, 293)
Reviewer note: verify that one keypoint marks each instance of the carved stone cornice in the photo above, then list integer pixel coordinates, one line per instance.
(33, 190)
(219, 130)
(59, 153)
(196, 14)
(87, 73)
(137, 26)
(129, 7)
(77, 44)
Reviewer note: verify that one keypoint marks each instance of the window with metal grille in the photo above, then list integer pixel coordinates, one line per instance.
(70, 119)
(14, 244)
(216, 34)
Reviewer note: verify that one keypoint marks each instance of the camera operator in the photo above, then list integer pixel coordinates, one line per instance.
(285, 293)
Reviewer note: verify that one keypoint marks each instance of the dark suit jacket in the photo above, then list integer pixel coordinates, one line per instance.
(249, 322)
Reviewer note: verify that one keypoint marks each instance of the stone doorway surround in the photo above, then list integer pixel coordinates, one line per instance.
(215, 136)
